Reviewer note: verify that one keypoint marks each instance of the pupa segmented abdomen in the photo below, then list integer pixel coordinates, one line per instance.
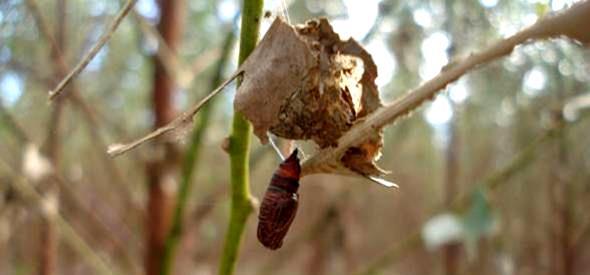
(279, 204)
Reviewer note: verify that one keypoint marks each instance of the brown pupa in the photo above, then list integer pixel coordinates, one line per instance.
(280, 203)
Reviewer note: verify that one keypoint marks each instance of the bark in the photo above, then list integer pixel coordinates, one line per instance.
(161, 172)
(49, 241)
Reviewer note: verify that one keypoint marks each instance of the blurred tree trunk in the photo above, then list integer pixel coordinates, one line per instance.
(162, 170)
(561, 196)
(48, 245)
(451, 251)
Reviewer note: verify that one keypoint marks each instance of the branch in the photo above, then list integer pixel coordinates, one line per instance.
(88, 113)
(93, 51)
(566, 23)
(239, 147)
(186, 117)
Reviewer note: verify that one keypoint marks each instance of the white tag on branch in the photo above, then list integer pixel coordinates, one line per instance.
(442, 229)
(35, 165)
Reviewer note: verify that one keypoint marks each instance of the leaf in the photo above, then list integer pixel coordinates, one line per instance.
(273, 72)
(303, 82)
(477, 222)
(468, 228)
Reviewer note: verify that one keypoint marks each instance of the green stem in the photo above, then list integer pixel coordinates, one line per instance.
(190, 163)
(239, 147)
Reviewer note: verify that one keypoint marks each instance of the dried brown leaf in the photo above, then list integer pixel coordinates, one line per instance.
(303, 82)
(272, 73)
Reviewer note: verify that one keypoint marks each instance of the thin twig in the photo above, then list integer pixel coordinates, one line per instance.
(186, 117)
(552, 26)
(93, 51)
(89, 114)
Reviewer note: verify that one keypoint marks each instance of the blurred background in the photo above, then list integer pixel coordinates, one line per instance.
(494, 173)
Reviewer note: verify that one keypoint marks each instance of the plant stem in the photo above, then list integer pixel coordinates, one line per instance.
(239, 147)
(190, 162)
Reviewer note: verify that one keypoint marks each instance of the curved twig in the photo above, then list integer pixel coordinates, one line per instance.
(186, 117)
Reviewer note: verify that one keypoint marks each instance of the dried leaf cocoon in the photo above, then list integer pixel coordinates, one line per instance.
(302, 82)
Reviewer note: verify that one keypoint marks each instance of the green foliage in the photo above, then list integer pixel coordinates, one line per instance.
(478, 221)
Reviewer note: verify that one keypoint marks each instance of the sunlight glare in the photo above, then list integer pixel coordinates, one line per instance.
(11, 88)
(359, 21)
(434, 51)
(458, 92)
(560, 4)
(147, 8)
(226, 10)
(488, 3)
(439, 112)
(96, 63)
(385, 61)
(534, 81)
(423, 18)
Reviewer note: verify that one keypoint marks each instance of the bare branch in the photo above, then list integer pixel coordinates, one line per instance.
(90, 115)
(186, 117)
(558, 25)
(93, 51)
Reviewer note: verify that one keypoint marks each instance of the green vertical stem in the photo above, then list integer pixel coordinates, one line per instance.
(239, 147)
(190, 163)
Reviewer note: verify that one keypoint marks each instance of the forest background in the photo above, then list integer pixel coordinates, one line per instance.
(494, 173)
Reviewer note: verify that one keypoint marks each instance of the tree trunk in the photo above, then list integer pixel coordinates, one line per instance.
(451, 251)
(162, 171)
(49, 240)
